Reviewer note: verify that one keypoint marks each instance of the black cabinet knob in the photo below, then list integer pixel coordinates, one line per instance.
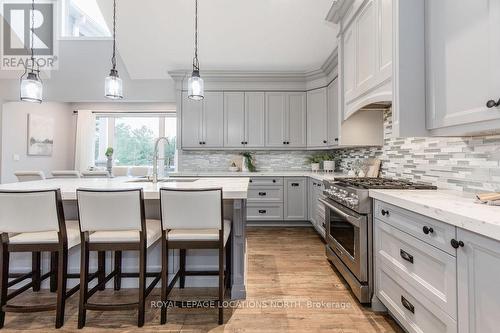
(324, 141)
(242, 142)
(491, 104)
(456, 244)
(385, 212)
(262, 211)
(251, 181)
(284, 142)
(336, 139)
(427, 230)
(274, 180)
(262, 194)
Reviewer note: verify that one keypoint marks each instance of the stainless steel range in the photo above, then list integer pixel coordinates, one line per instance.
(349, 228)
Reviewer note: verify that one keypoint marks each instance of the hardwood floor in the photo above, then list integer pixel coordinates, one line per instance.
(291, 288)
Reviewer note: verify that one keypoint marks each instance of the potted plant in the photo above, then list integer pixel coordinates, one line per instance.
(247, 164)
(109, 163)
(315, 161)
(329, 162)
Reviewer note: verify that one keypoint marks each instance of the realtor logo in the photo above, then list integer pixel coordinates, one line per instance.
(17, 35)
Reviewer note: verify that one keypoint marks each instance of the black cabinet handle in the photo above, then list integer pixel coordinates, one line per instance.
(295, 184)
(456, 244)
(201, 143)
(336, 139)
(242, 142)
(262, 211)
(274, 180)
(246, 142)
(251, 181)
(427, 230)
(324, 141)
(385, 212)
(262, 194)
(284, 142)
(406, 256)
(492, 104)
(407, 304)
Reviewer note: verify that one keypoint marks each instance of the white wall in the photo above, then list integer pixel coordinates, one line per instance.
(14, 133)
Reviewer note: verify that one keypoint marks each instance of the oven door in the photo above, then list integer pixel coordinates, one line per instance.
(346, 235)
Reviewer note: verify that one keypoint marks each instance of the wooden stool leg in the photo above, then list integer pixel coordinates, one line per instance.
(164, 280)
(101, 267)
(142, 286)
(84, 275)
(53, 271)
(4, 281)
(118, 270)
(182, 268)
(61, 286)
(221, 284)
(35, 269)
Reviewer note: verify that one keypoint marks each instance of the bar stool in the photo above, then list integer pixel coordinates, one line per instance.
(65, 174)
(28, 176)
(114, 220)
(33, 221)
(193, 219)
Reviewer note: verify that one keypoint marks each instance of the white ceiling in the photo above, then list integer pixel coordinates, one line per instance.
(156, 36)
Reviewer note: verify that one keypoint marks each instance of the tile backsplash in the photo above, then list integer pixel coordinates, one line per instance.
(470, 164)
(264, 160)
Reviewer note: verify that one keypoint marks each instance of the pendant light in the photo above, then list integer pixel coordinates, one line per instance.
(113, 86)
(31, 89)
(195, 82)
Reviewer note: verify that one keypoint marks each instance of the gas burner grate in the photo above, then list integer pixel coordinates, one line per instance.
(384, 183)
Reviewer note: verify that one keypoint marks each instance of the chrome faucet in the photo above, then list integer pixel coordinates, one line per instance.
(154, 177)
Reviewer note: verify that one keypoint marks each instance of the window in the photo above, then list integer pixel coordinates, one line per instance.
(83, 18)
(132, 136)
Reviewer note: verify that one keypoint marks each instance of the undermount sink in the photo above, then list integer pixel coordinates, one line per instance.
(164, 180)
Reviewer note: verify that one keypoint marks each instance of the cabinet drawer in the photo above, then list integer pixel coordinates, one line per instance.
(258, 181)
(431, 231)
(265, 212)
(413, 311)
(265, 194)
(426, 268)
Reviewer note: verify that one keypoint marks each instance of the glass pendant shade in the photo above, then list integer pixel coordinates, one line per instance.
(196, 87)
(113, 86)
(31, 88)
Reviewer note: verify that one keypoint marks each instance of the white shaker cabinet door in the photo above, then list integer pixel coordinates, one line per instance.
(276, 110)
(462, 61)
(296, 121)
(213, 120)
(234, 119)
(295, 199)
(333, 113)
(192, 114)
(255, 122)
(478, 270)
(366, 47)
(317, 118)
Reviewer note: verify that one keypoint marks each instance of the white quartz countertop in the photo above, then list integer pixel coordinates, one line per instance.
(232, 188)
(456, 208)
(315, 175)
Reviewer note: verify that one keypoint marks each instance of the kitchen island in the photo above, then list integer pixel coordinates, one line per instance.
(234, 191)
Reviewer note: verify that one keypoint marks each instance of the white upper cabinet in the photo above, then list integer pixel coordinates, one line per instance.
(202, 121)
(286, 119)
(244, 119)
(296, 120)
(192, 113)
(317, 118)
(365, 47)
(234, 119)
(255, 122)
(333, 113)
(463, 59)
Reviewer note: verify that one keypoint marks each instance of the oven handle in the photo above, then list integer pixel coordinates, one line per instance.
(353, 220)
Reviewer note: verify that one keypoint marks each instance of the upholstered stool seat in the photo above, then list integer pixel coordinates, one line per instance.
(153, 233)
(194, 235)
(49, 237)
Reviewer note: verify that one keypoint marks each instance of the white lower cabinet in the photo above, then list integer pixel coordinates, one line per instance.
(478, 283)
(295, 199)
(431, 285)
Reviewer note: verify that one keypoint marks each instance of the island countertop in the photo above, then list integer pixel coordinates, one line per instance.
(232, 188)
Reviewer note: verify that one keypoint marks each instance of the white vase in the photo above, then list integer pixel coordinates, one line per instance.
(244, 167)
(329, 166)
(314, 167)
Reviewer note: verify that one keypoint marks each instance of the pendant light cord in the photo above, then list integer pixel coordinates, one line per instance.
(113, 58)
(32, 34)
(196, 64)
